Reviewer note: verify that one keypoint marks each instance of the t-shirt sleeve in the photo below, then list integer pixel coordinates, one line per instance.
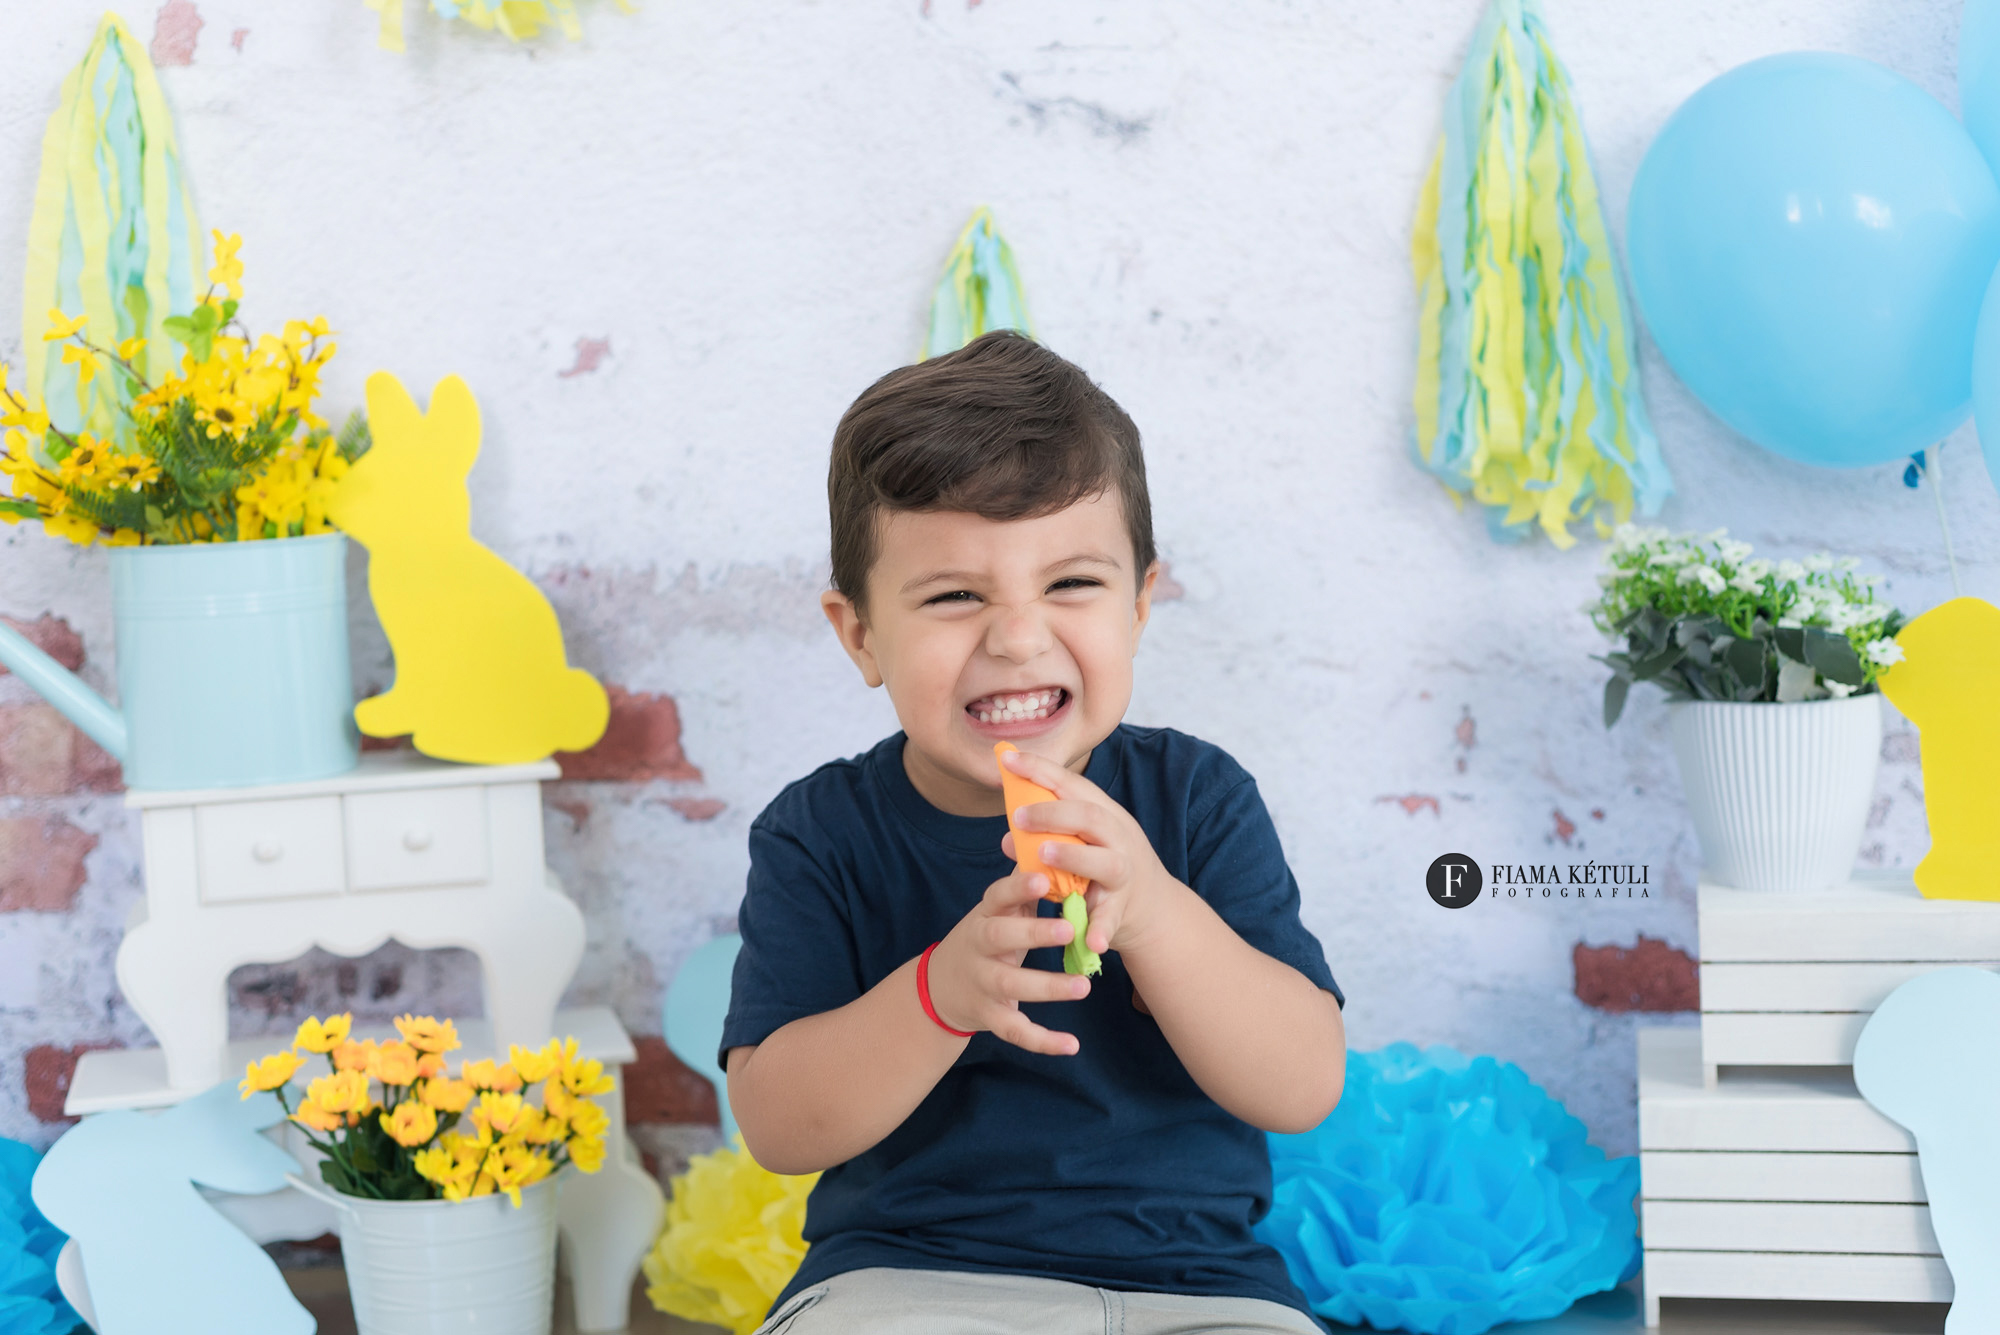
(798, 956)
(1236, 863)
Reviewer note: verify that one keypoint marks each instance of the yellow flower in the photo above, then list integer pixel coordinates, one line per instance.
(353, 1056)
(316, 1037)
(124, 537)
(586, 1077)
(410, 1123)
(426, 1034)
(429, 1065)
(394, 1064)
(540, 1128)
(76, 528)
(515, 1167)
(534, 1067)
(588, 1119)
(228, 270)
(498, 1113)
(557, 1101)
(445, 1095)
(83, 359)
(60, 326)
(341, 1092)
(434, 1164)
(587, 1153)
(483, 1074)
(271, 1072)
(131, 348)
(311, 1114)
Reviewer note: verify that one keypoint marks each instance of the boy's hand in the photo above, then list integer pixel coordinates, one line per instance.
(1125, 874)
(976, 977)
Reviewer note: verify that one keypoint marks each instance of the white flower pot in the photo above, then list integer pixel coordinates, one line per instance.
(1779, 793)
(473, 1267)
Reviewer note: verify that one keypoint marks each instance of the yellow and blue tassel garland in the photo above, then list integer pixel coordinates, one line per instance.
(979, 292)
(114, 236)
(1527, 393)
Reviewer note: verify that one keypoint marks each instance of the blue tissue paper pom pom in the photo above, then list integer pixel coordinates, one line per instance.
(1446, 1195)
(30, 1303)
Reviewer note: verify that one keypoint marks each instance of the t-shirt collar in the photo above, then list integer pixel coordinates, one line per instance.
(971, 834)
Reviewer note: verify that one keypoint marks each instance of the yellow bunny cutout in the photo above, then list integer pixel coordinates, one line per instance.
(1944, 685)
(480, 672)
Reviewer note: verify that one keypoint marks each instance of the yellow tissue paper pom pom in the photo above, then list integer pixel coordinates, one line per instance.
(734, 1239)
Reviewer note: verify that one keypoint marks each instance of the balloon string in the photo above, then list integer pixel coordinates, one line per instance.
(1936, 470)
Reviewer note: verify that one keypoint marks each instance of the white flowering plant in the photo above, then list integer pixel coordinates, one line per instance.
(1704, 619)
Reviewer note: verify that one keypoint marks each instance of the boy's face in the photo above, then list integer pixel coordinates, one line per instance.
(1020, 630)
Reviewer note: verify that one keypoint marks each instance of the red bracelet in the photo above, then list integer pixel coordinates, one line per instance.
(924, 992)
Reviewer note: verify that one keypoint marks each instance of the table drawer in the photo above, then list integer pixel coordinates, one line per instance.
(269, 850)
(401, 840)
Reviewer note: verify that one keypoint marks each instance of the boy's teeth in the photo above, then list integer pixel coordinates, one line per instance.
(1015, 708)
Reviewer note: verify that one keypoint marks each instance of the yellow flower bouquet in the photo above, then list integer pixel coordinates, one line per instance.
(394, 1125)
(227, 449)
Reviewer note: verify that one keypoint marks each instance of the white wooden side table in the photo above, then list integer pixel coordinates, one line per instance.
(1791, 979)
(425, 851)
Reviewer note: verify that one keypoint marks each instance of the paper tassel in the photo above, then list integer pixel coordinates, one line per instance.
(1527, 392)
(980, 290)
(114, 236)
(517, 20)
(734, 1238)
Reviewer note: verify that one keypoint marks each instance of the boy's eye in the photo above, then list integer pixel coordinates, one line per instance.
(955, 596)
(1075, 582)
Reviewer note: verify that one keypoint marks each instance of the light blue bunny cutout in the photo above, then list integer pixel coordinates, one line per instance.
(158, 1259)
(697, 1004)
(1926, 1061)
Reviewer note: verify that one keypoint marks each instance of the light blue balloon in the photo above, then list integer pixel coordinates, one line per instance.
(1979, 75)
(1810, 237)
(1986, 379)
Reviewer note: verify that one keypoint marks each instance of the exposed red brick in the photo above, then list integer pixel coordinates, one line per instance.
(49, 1071)
(642, 741)
(43, 755)
(41, 864)
(660, 1087)
(1167, 589)
(698, 808)
(1412, 803)
(1466, 734)
(1565, 827)
(590, 354)
(384, 743)
(53, 636)
(1651, 976)
(236, 40)
(575, 808)
(174, 33)
(1597, 813)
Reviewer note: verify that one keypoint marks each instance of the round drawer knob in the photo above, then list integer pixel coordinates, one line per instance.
(416, 840)
(267, 850)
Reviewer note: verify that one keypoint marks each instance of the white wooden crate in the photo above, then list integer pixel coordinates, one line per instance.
(1790, 979)
(1777, 1183)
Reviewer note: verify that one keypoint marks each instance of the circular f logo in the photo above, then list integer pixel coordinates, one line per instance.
(1454, 880)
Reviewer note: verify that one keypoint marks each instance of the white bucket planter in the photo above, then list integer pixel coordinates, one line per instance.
(474, 1267)
(1779, 793)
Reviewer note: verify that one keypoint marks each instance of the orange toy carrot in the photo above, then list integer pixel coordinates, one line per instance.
(1065, 887)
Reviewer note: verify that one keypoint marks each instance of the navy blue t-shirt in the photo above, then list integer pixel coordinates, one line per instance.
(1111, 1167)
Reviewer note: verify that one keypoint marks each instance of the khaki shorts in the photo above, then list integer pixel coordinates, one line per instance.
(884, 1301)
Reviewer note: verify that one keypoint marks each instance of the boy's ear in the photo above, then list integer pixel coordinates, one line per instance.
(1144, 607)
(853, 632)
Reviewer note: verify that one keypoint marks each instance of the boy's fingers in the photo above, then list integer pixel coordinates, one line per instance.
(1007, 846)
(1105, 915)
(1022, 1032)
(1056, 778)
(1041, 985)
(1103, 866)
(1012, 935)
(1009, 893)
(1083, 819)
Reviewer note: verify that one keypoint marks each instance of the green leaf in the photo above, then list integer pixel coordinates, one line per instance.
(1791, 642)
(1833, 657)
(1750, 661)
(1615, 692)
(1648, 669)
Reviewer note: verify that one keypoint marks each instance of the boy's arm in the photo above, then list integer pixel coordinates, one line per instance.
(1258, 1036)
(828, 1087)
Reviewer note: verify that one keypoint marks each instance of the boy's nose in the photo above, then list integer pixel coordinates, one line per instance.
(1017, 635)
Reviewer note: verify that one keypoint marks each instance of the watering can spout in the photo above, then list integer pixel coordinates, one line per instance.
(60, 687)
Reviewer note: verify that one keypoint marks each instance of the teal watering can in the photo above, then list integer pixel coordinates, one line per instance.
(232, 665)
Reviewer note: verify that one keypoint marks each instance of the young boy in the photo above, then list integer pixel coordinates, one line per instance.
(1007, 1147)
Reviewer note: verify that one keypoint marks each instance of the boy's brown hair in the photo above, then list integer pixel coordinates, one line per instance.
(1002, 428)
